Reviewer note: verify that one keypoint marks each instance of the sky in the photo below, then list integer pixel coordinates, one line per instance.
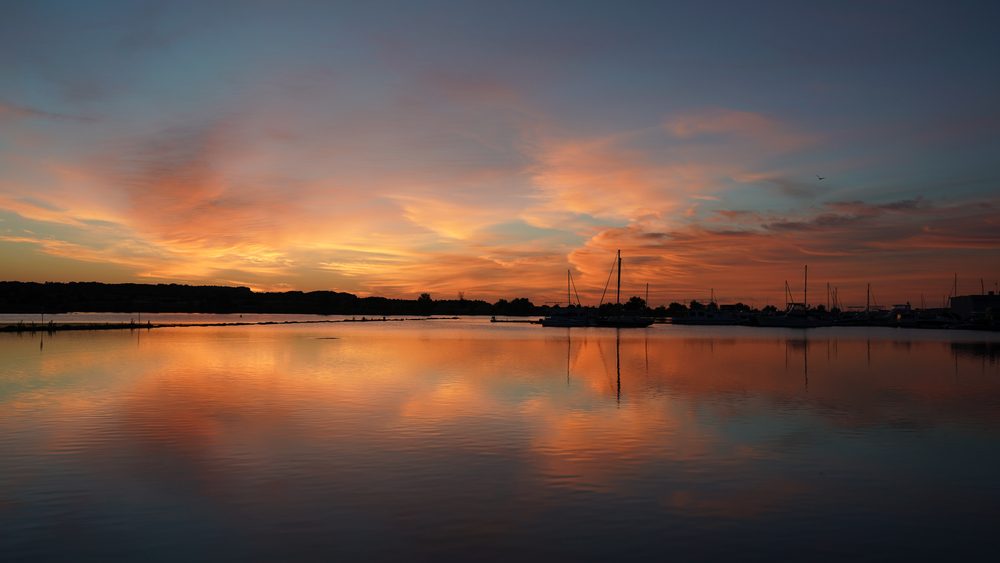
(395, 148)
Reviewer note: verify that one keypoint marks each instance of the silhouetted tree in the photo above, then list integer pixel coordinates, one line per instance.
(676, 310)
(501, 307)
(55, 297)
(635, 304)
(425, 305)
(521, 306)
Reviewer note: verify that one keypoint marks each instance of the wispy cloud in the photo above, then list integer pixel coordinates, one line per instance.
(723, 124)
(9, 111)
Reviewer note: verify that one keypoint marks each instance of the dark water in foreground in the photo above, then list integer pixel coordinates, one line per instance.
(465, 440)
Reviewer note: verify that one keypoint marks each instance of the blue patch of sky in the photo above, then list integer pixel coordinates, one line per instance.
(514, 232)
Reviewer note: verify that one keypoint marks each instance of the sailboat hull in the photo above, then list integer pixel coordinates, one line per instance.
(566, 321)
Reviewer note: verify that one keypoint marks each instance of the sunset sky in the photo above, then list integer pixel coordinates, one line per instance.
(392, 148)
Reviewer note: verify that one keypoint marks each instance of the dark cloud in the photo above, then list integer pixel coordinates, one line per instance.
(787, 226)
(858, 207)
(791, 187)
(655, 236)
(850, 214)
(735, 213)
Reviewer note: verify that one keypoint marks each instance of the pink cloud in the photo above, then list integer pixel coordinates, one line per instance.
(744, 125)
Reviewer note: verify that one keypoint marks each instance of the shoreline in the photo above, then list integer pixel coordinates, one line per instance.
(52, 326)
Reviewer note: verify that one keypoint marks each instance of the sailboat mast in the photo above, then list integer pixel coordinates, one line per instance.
(619, 296)
(569, 297)
(805, 289)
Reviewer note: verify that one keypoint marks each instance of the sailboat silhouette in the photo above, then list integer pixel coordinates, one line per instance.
(619, 319)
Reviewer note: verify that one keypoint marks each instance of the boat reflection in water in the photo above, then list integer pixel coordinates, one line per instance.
(467, 440)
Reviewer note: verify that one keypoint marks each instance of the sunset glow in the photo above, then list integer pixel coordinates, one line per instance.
(397, 148)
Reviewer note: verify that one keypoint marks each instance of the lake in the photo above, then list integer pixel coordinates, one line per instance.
(466, 440)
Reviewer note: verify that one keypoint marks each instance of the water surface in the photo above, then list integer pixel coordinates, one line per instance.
(430, 440)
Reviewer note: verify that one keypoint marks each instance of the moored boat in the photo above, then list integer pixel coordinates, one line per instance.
(797, 315)
(620, 319)
(572, 315)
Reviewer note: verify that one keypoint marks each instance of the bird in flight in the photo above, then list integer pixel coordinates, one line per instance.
(820, 178)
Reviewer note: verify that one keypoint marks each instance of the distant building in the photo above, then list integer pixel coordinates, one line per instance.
(967, 306)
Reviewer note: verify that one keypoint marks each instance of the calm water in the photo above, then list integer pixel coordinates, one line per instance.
(466, 440)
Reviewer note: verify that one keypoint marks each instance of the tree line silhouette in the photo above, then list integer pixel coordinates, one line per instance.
(96, 297)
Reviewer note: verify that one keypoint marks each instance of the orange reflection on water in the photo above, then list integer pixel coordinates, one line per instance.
(656, 413)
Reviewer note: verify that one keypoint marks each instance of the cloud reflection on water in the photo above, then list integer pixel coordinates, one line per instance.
(465, 427)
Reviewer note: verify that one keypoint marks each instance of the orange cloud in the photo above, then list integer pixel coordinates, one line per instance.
(602, 179)
(894, 244)
(272, 200)
(449, 219)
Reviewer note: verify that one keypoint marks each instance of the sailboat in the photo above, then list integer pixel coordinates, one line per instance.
(572, 315)
(796, 315)
(620, 319)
